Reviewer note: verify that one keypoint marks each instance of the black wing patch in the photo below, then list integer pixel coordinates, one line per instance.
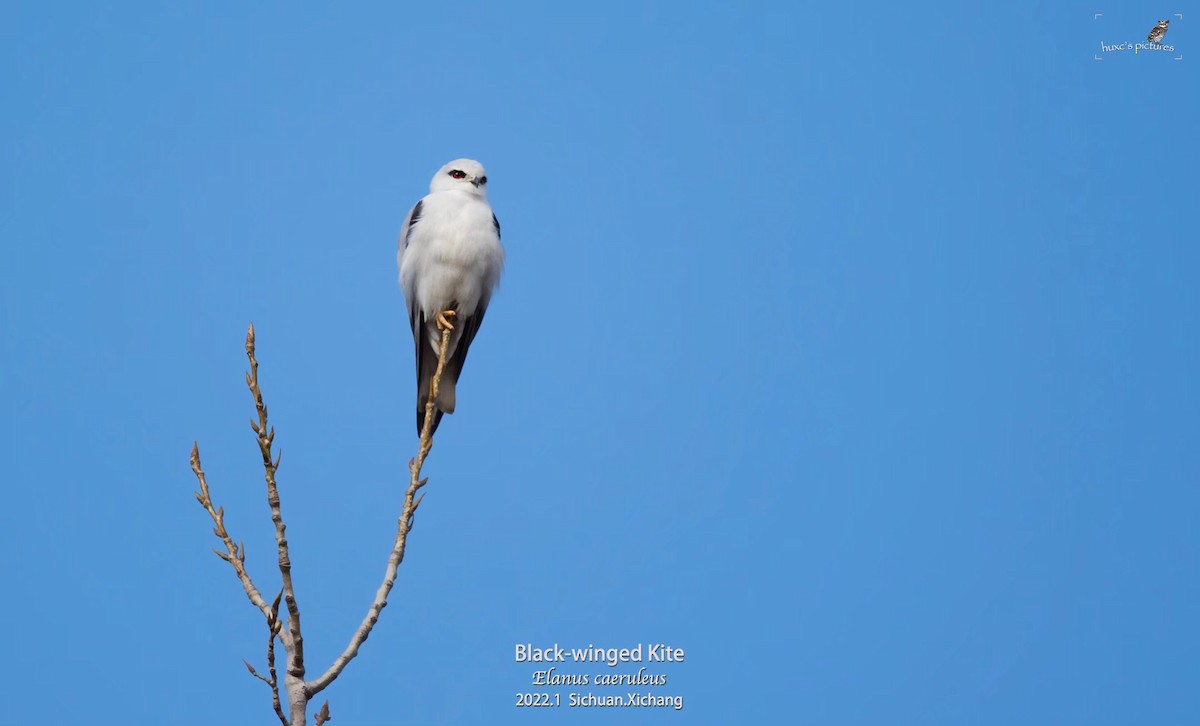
(412, 221)
(427, 361)
(496, 222)
(470, 328)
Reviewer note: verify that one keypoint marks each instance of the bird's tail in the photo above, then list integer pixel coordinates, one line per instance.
(446, 390)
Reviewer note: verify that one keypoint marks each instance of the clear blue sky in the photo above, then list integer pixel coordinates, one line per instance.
(852, 350)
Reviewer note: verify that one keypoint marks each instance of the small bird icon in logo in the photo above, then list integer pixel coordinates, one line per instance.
(1157, 33)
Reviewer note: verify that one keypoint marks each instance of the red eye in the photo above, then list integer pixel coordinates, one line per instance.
(483, 180)
(458, 174)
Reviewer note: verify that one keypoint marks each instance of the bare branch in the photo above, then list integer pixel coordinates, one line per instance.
(234, 555)
(274, 682)
(294, 644)
(404, 525)
(298, 692)
(272, 632)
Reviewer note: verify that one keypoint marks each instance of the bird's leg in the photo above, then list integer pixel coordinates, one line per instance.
(442, 319)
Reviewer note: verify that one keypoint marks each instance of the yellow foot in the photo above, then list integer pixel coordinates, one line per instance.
(442, 322)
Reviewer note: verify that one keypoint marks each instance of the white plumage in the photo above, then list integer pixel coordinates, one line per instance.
(450, 258)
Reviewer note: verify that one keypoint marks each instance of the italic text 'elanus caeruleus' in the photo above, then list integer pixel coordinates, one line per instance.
(450, 259)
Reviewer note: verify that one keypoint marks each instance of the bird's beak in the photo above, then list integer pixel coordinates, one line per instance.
(475, 181)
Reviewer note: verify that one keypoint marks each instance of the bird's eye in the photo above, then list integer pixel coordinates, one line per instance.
(483, 180)
(457, 174)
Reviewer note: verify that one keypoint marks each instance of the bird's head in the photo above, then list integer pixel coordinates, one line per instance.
(463, 175)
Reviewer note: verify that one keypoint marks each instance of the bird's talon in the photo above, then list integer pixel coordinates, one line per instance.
(442, 322)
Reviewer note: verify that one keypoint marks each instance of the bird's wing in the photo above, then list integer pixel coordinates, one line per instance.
(415, 320)
(470, 326)
(406, 230)
(406, 233)
(414, 216)
(427, 360)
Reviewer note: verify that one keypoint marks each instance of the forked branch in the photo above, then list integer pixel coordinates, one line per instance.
(294, 674)
(299, 692)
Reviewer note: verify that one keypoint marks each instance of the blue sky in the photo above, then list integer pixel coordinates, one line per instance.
(852, 350)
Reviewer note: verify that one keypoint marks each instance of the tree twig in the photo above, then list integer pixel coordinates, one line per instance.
(235, 555)
(404, 525)
(294, 674)
(299, 692)
(273, 628)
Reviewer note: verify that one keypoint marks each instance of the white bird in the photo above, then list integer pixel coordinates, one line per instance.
(450, 259)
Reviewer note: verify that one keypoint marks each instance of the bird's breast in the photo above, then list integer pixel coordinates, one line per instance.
(456, 255)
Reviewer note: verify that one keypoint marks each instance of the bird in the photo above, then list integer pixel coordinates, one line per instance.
(1158, 31)
(450, 261)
